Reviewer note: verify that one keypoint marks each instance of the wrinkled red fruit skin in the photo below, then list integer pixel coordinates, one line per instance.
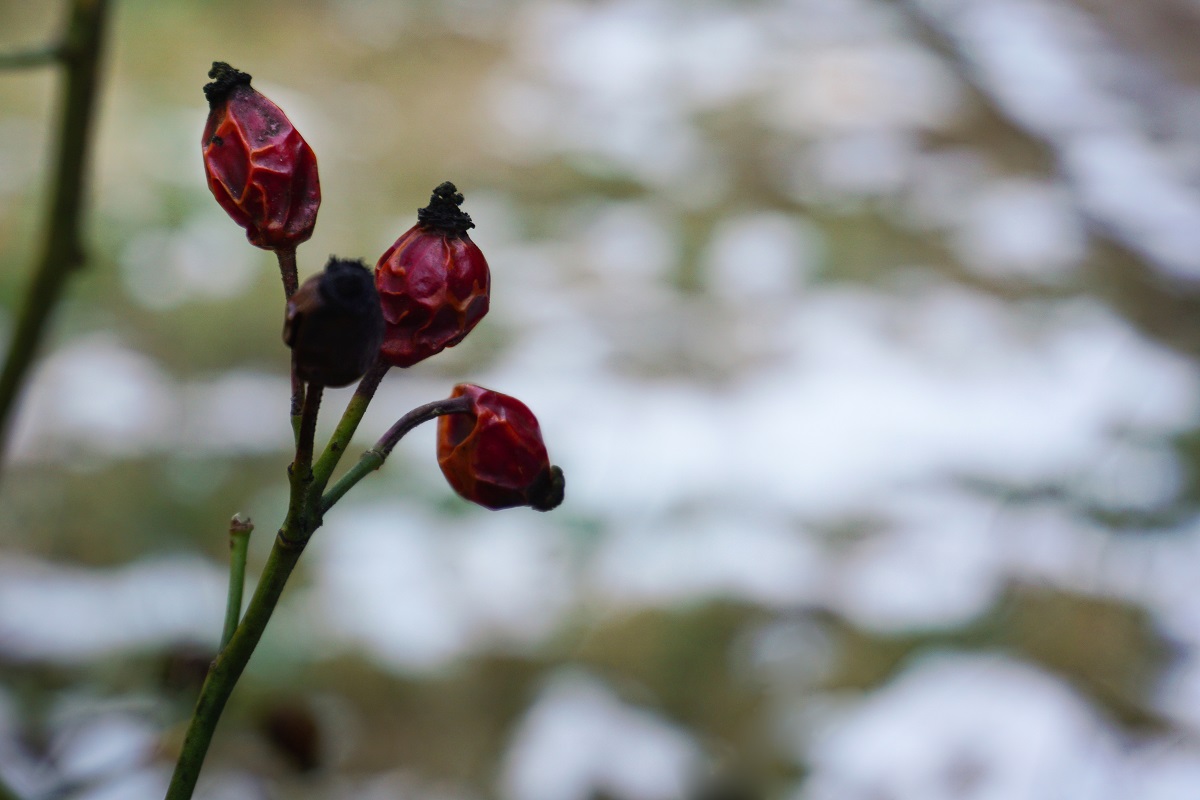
(434, 288)
(495, 455)
(261, 170)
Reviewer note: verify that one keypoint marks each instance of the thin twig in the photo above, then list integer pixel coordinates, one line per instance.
(229, 664)
(327, 463)
(300, 521)
(239, 541)
(373, 459)
(288, 271)
(62, 250)
(308, 431)
(25, 59)
(291, 283)
(305, 509)
(297, 401)
(299, 525)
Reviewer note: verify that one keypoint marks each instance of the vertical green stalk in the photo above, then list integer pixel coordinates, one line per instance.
(327, 463)
(229, 664)
(62, 251)
(305, 509)
(302, 465)
(302, 519)
(239, 541)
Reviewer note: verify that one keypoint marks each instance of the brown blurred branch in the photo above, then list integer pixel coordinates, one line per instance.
(62, 251)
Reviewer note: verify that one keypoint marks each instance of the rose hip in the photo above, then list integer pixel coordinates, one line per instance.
(258, 167)
(494, 455)
(434, 282)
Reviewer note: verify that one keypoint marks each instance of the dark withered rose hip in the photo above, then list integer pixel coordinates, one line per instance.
(434, 282)
(334, 324)
(494, 455)
(258, 166)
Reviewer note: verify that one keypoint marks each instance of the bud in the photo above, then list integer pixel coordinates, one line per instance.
(334, 325)
(493, 455)
(433, 282)
(259, 168)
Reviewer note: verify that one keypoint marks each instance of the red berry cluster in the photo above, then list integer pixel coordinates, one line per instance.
(430, 289)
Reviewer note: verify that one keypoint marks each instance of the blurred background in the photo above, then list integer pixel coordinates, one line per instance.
(866, 332)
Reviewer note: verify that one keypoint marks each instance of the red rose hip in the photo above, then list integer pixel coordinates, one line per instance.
(259, 168)
(494, 455)
(433, 283)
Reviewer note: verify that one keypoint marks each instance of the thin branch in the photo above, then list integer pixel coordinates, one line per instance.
(301, 521)
(367, 463)
(62, 251)
(305, 509)
(26, 59)
(291, 283)
(297, 404)
(419, 415)
(239, 541)
(308, 431)
(229, 665)
(327, 463)
(233, 657)
(373, 459)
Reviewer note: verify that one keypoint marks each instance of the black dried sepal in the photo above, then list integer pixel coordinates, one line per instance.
(548, 489)
(225, 80)
(443, 214)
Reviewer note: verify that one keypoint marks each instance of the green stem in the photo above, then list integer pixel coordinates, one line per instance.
(300, 518)
(224, 673)
(327, 463)
(62, 251)
(308, 431)
(304, 515)
(239, 542)
(367, 463)
(373, 459)
(23, 59)
(229, 664)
